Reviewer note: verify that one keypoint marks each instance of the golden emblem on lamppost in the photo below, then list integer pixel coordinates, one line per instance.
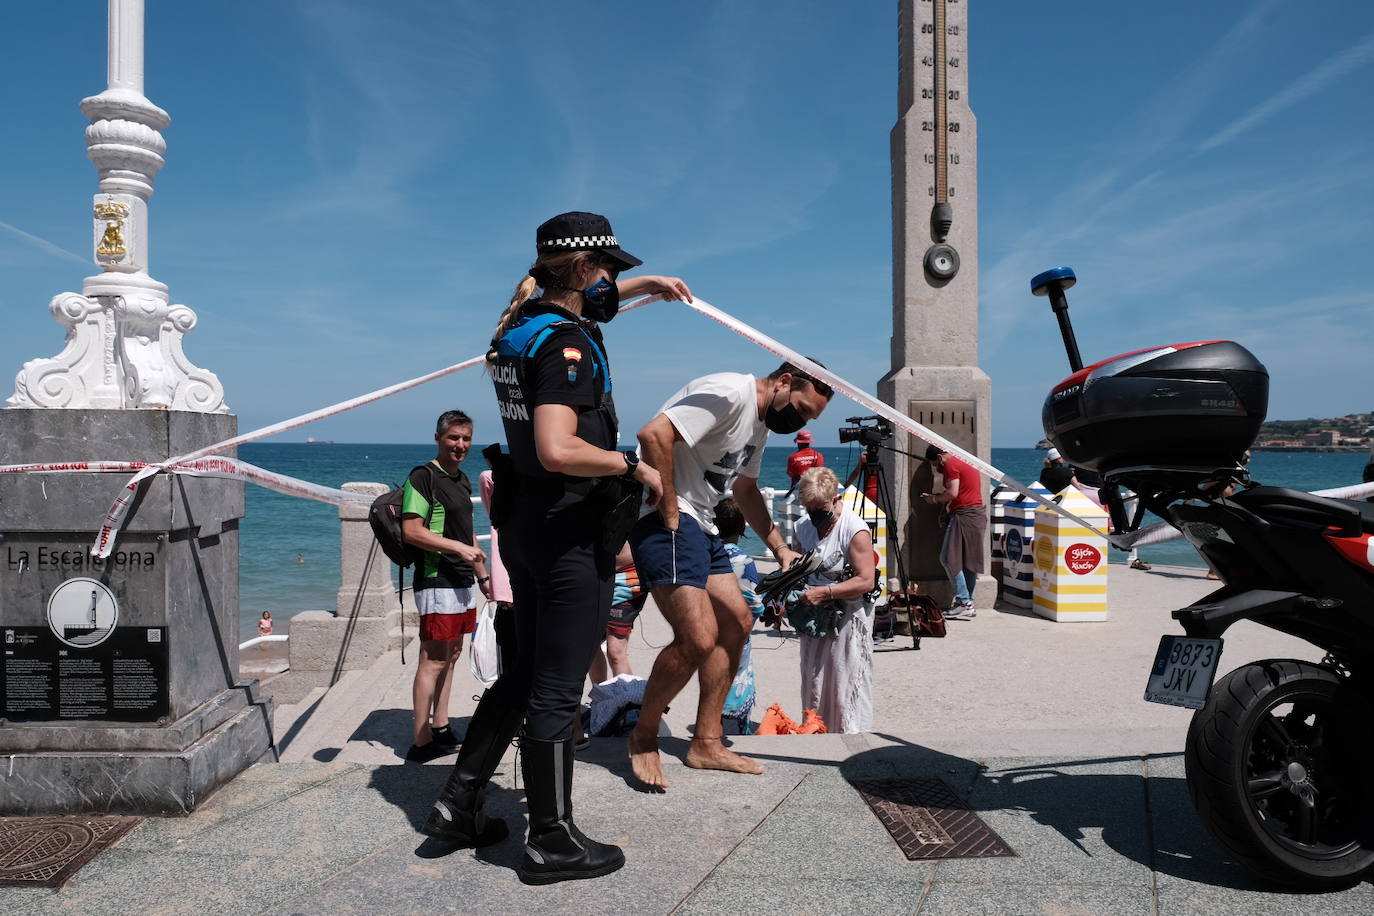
(112, 240)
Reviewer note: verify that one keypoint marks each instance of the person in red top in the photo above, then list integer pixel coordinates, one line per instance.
(803, 459)
(966, 530)
(870, 480)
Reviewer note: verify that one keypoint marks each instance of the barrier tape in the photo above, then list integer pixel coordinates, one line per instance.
(878, 407)
(218, 466)
(114, 518)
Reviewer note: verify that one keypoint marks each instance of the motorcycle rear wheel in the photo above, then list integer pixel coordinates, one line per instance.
(1279, 765)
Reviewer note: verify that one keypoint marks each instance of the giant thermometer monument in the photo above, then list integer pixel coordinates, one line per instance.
(935, 377)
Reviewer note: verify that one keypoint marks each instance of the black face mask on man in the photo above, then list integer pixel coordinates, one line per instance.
(786, 419)
(601, 301)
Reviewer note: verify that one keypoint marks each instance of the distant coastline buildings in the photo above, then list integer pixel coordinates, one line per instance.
(1350, 433)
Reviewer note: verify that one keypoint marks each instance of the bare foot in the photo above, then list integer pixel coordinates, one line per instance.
(712, 754)
(645, 762)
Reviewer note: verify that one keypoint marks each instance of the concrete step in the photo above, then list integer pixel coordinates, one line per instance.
(285, 716)
(339, 711)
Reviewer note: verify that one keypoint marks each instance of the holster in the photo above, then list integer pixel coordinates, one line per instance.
(616, 501)
(502, 484)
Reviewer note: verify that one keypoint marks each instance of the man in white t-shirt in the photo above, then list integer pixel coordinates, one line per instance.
(707, 443)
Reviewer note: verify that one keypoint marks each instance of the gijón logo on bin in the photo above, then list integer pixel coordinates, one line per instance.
(1082, 559)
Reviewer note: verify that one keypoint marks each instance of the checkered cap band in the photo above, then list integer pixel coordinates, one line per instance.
(582, 241)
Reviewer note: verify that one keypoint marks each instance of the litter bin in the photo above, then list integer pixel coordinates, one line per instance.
(997, 526)
(1018, 564)
(1071, 561)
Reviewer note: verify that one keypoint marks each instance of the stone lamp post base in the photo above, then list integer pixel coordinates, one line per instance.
(119, 678)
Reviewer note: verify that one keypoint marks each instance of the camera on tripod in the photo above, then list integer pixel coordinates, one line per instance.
(870, 436)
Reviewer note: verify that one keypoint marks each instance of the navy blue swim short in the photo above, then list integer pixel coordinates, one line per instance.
(686, 556)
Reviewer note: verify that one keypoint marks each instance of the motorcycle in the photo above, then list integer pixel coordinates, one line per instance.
(1279, 754)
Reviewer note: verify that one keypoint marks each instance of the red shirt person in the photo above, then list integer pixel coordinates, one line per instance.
(961, 553)
(804, 458)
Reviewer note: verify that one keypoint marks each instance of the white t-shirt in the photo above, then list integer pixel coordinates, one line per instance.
(834, 550)
(722, 437)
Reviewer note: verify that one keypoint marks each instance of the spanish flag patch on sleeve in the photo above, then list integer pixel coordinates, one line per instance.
(572, 353)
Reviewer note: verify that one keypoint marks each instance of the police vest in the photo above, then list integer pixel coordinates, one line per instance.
(515, 352)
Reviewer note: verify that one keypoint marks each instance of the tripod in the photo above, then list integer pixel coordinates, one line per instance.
(874, 481)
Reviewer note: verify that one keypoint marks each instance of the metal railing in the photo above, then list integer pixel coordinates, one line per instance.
(258, 639)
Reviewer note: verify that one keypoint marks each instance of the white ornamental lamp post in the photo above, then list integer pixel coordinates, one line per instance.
(124, 338)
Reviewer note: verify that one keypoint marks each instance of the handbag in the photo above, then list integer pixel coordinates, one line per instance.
(815, 620)
(926, 615)
(485, 656)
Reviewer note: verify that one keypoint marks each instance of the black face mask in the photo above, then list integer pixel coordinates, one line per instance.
(601, 301)
(785, 420)
(821, 518)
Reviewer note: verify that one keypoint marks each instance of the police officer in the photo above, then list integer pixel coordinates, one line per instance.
(553, 389)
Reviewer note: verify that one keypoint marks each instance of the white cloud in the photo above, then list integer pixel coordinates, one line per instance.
(45, 245)
(1313, 82)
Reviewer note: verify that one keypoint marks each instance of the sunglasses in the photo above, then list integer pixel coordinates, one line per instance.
(822, 387)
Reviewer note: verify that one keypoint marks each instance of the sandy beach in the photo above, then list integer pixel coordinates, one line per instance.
(264, 660)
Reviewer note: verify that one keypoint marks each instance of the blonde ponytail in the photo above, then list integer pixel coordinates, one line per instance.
(550, 266)
(523, 290)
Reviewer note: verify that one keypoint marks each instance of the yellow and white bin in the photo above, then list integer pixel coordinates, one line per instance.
(1071, 562)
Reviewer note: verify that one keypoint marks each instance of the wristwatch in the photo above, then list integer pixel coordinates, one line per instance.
(631, 464)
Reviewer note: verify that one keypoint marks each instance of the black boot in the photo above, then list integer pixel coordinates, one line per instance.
(556, 850)
(457, 816)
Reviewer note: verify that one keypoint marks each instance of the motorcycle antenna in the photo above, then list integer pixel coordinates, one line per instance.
(1053, 283)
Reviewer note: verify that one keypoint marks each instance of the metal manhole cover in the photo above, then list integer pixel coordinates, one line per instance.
(929, 821)
(46, 851)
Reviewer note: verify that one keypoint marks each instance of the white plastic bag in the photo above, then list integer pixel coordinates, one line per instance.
(485, 657)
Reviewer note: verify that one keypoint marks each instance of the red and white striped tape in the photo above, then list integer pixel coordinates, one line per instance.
(886, 411)
(217, 466)
(114, 518)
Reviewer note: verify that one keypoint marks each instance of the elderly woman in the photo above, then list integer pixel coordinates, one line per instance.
(837, 669)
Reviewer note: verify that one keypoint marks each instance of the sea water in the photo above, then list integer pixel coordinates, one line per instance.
(289, 557)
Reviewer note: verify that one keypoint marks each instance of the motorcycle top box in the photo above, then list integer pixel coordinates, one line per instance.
(1194, 405)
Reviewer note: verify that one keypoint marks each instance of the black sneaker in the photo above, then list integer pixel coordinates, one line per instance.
(424, 753)
(445, 738)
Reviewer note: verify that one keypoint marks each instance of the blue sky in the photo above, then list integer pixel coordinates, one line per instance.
(352, 187)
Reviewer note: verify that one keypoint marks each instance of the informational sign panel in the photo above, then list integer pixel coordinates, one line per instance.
(81, 638)
(47, 678)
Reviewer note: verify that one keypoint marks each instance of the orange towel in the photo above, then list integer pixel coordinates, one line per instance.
(776, 722)
(812, 723)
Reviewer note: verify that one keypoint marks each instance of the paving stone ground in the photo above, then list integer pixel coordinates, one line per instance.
(1039, 725)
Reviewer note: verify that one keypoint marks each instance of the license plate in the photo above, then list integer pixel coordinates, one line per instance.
(1183, 671)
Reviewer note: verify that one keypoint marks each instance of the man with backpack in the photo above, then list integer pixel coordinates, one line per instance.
(436, 519)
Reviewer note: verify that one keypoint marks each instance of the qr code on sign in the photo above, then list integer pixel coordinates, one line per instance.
(154, 636)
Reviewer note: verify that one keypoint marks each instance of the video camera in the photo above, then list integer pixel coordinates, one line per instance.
(871, 436)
